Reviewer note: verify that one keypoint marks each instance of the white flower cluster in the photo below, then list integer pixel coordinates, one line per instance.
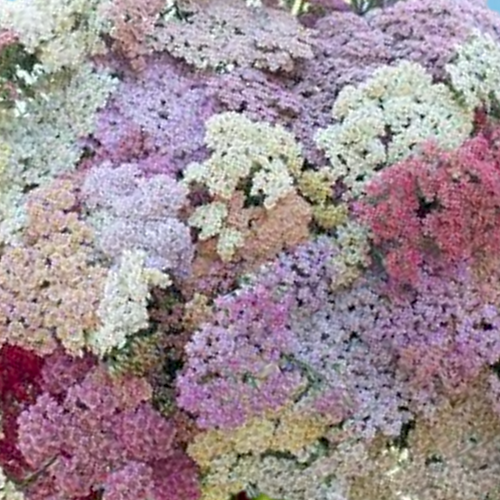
(266, 157)
(475, 72)
(123, 308)
(61, 32)
(385, 119)
(7, 490)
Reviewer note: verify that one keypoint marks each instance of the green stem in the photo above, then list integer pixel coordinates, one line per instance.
(32, 477)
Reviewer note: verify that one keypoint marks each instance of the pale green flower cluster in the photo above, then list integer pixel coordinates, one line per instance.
(384, 119)
(265, 157)
(7, 489)
(61, 32)
(43, 139)
(123, 308)
(475, 72)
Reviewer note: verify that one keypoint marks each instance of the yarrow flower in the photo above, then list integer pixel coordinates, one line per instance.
(440, 206)
(249, 249)
(104, 433)
(135, 213)
(385, 119)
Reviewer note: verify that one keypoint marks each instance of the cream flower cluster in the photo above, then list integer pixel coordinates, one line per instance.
(384, 119)
(260, 155)
(123, 308)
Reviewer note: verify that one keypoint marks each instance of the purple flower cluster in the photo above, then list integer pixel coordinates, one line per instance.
(390, 357)
(235, 367)
(156, 119)
(141, 214)
(445, 334)
(237, 364)
(358, 351)
(259, 95)
(347, 372)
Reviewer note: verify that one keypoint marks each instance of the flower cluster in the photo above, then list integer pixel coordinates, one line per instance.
(104, 434)
(475, 71)
(252, 164)
(62, 35)
(123, 308)
(155, 119)
(228, 33)
(385, 118)
(134, 213)
(225, 454)
(440, 206)
(236, 367)
(50, 287)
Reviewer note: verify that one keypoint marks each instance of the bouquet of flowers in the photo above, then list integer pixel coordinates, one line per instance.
(249, 250)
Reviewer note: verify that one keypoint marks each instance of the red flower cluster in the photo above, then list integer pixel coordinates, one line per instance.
(19, 386)
(437, 207)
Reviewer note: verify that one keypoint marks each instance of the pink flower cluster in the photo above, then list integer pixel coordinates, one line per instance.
(102, 434)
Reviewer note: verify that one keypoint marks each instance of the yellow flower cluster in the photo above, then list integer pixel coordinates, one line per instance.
(288, 431)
